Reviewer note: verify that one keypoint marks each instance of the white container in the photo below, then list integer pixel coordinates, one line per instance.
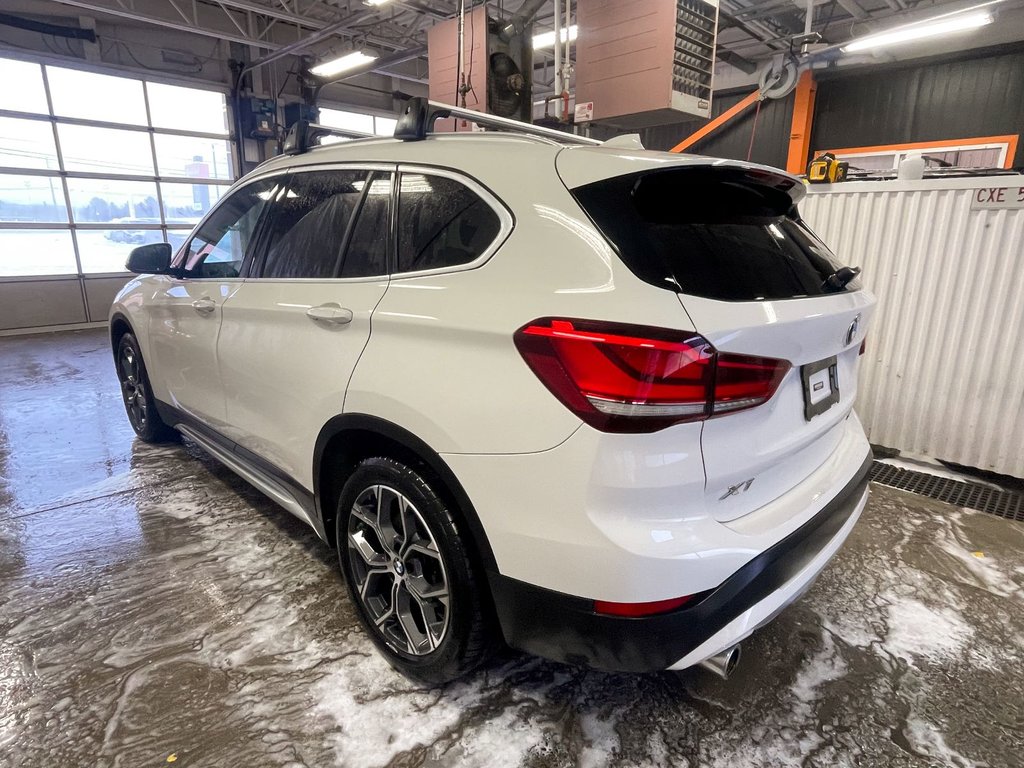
(911, 169)
(944, 370)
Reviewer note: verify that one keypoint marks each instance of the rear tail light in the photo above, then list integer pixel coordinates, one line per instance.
(863, 346)
(631, 378)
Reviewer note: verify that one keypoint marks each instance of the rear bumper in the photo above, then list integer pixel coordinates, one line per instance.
(565, 628)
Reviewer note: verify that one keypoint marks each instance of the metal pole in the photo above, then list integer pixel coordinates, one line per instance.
(460, 65)
(566, 65)
(558, 47)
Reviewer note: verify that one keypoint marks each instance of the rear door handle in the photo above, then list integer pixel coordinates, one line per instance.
(204, 306)
(332, 314)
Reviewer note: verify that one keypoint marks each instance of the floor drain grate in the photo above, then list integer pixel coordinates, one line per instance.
(982, 498)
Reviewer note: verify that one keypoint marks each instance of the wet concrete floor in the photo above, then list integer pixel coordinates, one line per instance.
(156, 609)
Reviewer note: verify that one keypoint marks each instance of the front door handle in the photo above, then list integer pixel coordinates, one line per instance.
(204, 306)
(332, 314)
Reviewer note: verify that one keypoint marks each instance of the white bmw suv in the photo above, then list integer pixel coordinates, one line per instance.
(594, 401)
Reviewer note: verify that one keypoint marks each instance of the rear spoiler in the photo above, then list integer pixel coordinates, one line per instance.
(579, 166)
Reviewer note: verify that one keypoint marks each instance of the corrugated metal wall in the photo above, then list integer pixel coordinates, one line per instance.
(771, 140)
(944, 370)
(935, 99)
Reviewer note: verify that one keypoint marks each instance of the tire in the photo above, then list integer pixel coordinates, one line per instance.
(137, 394)
(440, 631)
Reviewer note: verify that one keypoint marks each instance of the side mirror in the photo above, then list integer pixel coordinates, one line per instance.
(150, 259)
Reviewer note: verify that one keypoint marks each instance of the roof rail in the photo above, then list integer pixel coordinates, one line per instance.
(417, 120)
(304, 134)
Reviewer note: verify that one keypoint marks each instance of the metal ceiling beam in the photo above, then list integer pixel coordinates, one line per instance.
(299, 45)
(169, 23)
(275, 13)
(853, 8)
(313, 23)
(742, 63)
(275, 50)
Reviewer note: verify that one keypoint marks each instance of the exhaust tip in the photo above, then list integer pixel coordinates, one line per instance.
(722, 664)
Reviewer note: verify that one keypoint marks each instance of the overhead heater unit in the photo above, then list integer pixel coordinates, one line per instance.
(648, 63)
(497, 66)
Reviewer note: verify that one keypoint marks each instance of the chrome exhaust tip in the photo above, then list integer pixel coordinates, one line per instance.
(722, 664)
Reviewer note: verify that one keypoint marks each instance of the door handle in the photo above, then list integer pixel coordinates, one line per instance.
(204, 306)
(330, 313)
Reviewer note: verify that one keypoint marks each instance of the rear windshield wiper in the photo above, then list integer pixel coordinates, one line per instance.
(840, 278)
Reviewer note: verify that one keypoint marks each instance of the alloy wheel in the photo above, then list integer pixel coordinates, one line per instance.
(399, 572)
(132, 387)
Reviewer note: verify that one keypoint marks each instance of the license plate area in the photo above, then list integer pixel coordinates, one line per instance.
(821, 386)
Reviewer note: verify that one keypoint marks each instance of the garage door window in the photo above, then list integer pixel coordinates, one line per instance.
(82, 184)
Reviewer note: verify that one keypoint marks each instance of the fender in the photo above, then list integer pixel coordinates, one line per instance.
(119, 317)
(358, 422)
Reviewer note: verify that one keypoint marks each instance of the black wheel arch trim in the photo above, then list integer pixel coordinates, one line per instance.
(359, 422)
(116, 318)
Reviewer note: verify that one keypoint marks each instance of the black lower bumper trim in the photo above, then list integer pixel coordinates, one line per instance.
(565, 628)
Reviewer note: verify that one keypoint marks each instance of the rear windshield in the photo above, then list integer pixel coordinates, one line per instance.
(721, 233)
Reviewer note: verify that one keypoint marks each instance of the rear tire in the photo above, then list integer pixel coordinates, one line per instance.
(409, 574)
(137, 395)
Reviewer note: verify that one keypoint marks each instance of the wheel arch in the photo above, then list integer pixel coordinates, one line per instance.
(347, 439)
(119, 326)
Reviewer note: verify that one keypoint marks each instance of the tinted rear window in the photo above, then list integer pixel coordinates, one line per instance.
(719, 233)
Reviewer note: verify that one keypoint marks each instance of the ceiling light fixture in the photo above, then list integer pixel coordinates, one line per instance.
(376, 2)
(547, 39)
(940, 25)
(342, 64)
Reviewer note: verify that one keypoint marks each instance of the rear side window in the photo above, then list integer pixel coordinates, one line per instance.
(719, 233)
(441, 223)
(308, 222)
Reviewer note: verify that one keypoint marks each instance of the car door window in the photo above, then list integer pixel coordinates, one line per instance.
(366, 253)
(218, 248)
(308, 223)
(441, 223)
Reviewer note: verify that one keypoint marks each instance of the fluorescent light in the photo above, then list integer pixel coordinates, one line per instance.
(547, 39)
(376, 2)
(940, 26)
(342, 64)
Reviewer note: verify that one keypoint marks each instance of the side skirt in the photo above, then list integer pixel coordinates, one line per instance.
(256, 470)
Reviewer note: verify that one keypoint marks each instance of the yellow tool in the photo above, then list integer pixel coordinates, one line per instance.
(825, 169)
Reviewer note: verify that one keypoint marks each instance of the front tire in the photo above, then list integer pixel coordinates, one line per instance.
(409, 574)
(137, 395)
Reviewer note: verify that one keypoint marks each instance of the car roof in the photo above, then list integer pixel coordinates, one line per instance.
(489, 154)
(385, 149)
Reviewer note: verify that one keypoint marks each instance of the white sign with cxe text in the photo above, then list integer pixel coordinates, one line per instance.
(997, 197)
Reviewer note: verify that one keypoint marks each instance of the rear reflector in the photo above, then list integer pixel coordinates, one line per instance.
(633, 610)
(631, 378)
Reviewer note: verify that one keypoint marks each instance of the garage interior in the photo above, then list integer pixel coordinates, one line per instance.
(155, 608)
